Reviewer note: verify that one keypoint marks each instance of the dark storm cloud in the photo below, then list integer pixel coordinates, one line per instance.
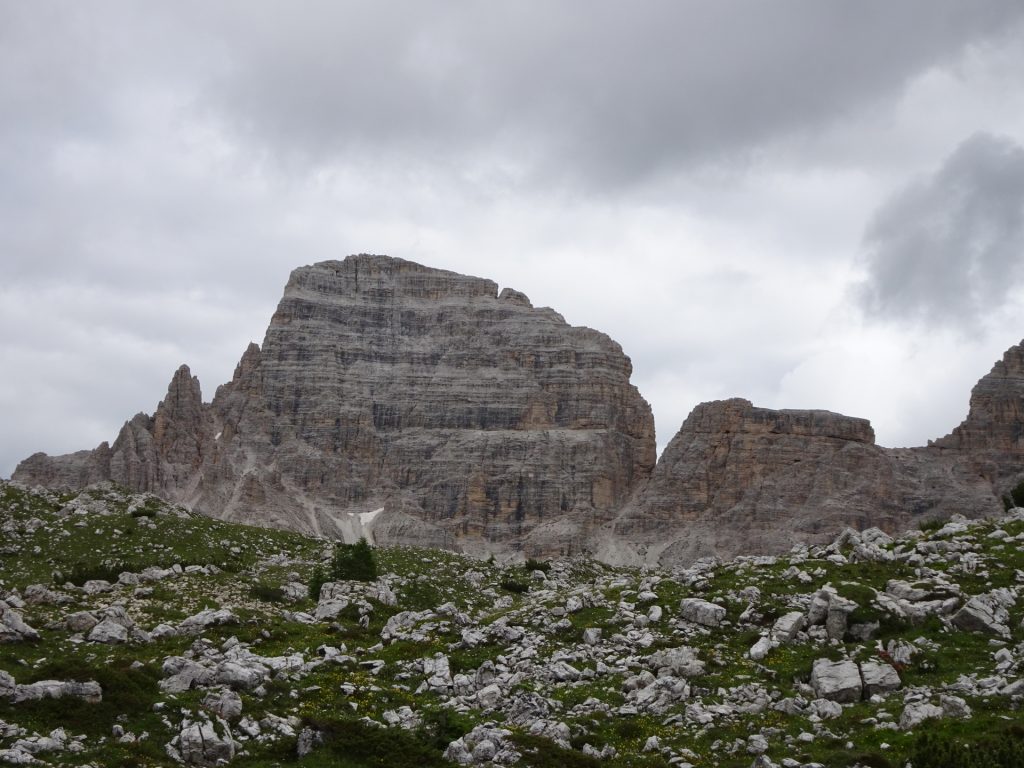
(950, 247)
(595, 90)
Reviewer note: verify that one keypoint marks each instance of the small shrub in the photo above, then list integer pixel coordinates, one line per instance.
(873, 760)
(144, 511)
(267, 592)
(125, 689)
(629, 728)
(1014, 497)
(512, 585)
(930, 526)
(443, 726)
(532, 565)
(107, 571)
(354, 562)
(354, 743)
(936, 749)
(419, 595)
(316, 581)
(544, 753)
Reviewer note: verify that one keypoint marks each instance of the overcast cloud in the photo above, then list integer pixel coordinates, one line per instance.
(951, 245)
(809, 204)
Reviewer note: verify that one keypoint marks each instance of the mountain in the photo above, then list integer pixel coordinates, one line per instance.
(418, 406)
(469, 417)
(738, 479)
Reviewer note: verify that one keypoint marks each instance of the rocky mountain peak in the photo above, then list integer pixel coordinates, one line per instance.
(419, 406)
(994, 428)
(382, 384)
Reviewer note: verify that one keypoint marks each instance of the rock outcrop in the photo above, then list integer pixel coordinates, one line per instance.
(738, 479)
(418, 406)
(993, 432)
(385, 385)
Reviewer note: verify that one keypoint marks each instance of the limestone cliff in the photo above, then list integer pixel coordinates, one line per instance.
(738, 479)
(421, 406)
(993, 432)
(160, 453)
(385, 384)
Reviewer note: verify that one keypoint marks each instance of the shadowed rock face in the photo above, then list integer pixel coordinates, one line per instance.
(385, 384)
(739, 479)
(993, 432)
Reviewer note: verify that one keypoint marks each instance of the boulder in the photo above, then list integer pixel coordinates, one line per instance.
(701, 611)
(239, 676)
(787, 626)
(916, 713)
(204, 744)
(681, 661)
(81, 621)
(196, 624)
(226, 704)
(90, 692)
(12, 627)
(109, 631)
(837, 681)
(983, 613)
(879, 677)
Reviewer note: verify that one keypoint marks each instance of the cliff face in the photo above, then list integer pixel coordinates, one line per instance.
(738, 479)
(382, 383)
(993, 432)
(160, 453)
(419, 406)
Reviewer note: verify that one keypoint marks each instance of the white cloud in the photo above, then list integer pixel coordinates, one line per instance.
(687, 183)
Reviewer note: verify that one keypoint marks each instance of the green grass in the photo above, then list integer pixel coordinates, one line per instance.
(145, 531)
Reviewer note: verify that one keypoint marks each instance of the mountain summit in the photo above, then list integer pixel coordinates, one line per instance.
(418, 406)
(461, 416)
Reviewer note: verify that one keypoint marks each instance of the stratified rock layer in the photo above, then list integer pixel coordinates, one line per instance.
(739, 479)
(993, 432)
(382, 384)
(418, 406)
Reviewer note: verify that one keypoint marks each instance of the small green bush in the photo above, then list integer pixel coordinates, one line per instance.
(441, 727)
(354, 562)
(125, 689)
(512, 585)
(1014, 497)
(539, 752)
(107, 571)
(354, 743)
(532, 565)
(267, 592)
(316, 581)
(936, 749)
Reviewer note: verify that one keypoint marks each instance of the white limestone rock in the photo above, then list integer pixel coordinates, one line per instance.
(837, 681)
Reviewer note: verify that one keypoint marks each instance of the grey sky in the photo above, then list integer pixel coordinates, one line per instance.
(809, 204)
(951, 245)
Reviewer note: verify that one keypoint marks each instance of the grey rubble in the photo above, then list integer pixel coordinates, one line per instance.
(672, 653)
(422, 407)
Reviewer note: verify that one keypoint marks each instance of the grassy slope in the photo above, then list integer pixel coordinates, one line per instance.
(145, 532)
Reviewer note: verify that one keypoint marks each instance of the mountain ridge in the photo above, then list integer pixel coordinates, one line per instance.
(480, 423)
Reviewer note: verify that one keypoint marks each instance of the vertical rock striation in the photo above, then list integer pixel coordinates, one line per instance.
(738, 479)
(993, 432)
(424, 407)
(385, 384)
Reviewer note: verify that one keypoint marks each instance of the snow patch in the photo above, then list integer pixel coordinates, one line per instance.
(355, 525)
(365, 518)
